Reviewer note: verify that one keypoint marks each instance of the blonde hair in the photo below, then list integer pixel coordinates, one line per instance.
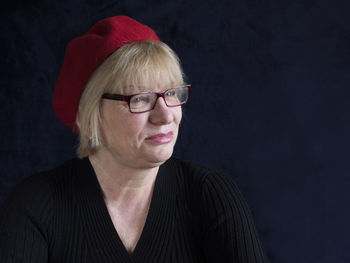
(128, 67)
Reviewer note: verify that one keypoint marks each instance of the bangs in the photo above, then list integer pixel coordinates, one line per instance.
(145, 66)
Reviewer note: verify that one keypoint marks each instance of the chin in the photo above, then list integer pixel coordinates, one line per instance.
(160, 157)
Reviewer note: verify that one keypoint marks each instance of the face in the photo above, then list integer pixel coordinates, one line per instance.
(141, 140)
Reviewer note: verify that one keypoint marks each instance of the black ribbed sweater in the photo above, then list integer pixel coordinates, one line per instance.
(196, 215)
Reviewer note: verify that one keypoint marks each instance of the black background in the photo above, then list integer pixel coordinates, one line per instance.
(269, 104)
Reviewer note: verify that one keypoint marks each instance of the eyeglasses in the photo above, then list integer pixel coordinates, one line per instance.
(146, 101)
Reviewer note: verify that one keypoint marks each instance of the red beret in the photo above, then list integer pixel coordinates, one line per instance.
(84, 55)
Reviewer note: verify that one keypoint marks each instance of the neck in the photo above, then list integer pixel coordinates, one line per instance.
(118, 180)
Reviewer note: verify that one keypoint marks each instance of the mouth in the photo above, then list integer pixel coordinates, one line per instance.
(161, 138)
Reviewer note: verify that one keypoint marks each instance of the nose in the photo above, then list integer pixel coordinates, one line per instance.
(161, 113)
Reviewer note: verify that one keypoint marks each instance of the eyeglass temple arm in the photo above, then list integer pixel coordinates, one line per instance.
(113, 96)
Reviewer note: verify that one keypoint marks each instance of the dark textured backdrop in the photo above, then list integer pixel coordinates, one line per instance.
(270, 104)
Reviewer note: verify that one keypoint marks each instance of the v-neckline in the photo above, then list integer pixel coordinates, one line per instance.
(101, 232)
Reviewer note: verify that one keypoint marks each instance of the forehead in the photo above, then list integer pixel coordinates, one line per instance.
(155, 82)
(149, 88)
(152, 85)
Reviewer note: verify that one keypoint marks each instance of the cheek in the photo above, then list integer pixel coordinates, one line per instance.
(134, 125)
(178, 115)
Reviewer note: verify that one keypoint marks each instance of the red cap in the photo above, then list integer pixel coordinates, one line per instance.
(86, 53)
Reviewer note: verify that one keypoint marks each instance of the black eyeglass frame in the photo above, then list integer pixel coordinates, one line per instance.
(127, 98)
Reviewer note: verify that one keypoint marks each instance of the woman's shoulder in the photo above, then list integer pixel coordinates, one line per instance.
(208, 187)
(40, 188)
(29, 215)
(47, 177)
(200, 173)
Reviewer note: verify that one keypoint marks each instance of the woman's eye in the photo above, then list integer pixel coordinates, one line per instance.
(170, 93)
(140, 99)
(135, 100)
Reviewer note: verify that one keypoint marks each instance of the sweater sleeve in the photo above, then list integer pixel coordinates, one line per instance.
(23, 236)
(229, 234)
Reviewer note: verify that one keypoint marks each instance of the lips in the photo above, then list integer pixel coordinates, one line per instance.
(161, 138)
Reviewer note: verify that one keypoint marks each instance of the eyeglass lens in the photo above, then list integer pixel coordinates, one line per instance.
(146, 101)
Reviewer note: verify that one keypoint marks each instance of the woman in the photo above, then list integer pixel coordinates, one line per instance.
(125, 199)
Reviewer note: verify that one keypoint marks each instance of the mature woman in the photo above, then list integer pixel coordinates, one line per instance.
(125, 199)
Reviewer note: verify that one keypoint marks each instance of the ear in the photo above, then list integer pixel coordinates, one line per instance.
(76, 127)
